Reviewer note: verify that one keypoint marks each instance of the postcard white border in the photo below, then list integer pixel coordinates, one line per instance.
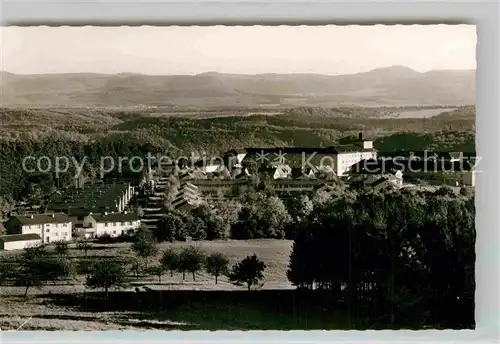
(483, 14)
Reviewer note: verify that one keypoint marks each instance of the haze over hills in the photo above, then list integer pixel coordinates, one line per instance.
(395, 85)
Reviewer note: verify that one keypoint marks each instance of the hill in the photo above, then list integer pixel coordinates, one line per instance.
(389, 86)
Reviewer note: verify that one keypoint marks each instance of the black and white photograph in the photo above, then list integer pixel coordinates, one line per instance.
(234, 178)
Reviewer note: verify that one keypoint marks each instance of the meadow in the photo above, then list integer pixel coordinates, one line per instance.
(184, 304)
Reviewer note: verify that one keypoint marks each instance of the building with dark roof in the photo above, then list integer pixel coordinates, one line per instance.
(112, 224)
(50, 227)
(101, 197)
(188, 196)
(339, 157)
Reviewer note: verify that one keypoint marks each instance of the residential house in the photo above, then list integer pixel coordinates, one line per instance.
(112, 197)
(112, 224)
(188, 197)
(234, 158)
(50, 227)
(281, 171)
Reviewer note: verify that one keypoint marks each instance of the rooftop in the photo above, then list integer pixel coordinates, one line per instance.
(19, 237)
(115, 217)
(92, 197)
(38, 219)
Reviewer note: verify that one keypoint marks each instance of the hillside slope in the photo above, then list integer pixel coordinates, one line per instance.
(396, 85)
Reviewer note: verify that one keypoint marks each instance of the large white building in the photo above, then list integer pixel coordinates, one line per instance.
(338, 158)
(346, 159)
(50, 227)
(112, 224)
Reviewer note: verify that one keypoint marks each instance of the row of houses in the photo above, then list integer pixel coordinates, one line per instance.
(36, 229)
(292, 167)
(97, 198)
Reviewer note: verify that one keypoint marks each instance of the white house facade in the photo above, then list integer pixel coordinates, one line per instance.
(112, 224)
(50, 227)
(348, 159)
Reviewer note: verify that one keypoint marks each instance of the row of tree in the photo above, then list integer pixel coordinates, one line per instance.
(192, 260)
(402, 257)
(37, 267)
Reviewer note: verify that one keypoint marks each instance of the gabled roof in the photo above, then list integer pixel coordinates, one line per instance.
(115, 217)
(189, 187)
(180, 202)
(240, 151)
(19, 237)
(186, 195)
(78, 212)
(39, 219)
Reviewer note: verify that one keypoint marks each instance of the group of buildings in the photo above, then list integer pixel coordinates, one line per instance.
(91, 211)
(292, 170)
(86, 212)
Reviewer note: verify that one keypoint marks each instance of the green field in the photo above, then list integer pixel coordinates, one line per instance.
(199, 304)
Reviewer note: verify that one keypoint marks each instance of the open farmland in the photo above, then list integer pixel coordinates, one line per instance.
(46, 305)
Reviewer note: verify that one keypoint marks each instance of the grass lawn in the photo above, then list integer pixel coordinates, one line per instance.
(177, 304)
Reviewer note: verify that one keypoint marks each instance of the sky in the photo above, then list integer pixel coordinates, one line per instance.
(240, 50)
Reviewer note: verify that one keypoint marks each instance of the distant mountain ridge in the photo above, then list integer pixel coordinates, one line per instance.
(395, 85)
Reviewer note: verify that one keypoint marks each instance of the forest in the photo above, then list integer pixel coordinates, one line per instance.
(396, 259)
(92, 134)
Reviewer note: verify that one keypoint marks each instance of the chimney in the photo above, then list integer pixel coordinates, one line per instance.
(53, 215)
(31, 216)
(105, 213)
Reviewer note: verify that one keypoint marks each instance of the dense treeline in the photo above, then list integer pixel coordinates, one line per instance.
(18, 183)
(397, 259)
(97, 133)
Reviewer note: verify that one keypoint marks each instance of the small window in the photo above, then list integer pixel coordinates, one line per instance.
(114, 232)
(57, 233)
(47, 230)
(57, 225)
(122, 223)
(105, 224)
(114, 224)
